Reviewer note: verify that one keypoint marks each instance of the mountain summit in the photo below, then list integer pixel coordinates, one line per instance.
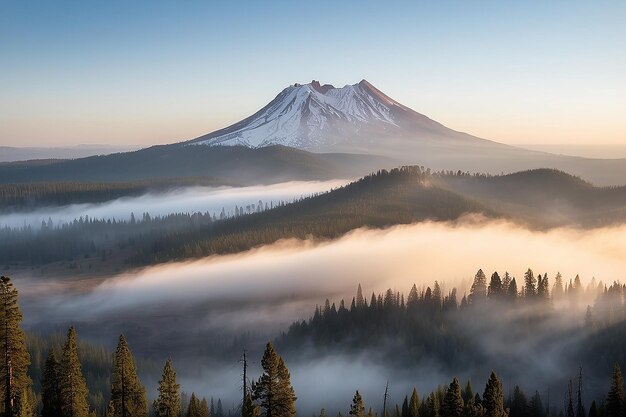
(318, 117)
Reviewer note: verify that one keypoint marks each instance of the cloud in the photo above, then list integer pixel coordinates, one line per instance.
(179, 200)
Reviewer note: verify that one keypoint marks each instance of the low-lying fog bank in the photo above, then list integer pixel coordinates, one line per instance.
(179, 200)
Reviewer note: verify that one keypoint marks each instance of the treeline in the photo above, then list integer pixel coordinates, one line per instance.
(431, 324)
(382, 199)
(63, 391)
(377, 200)
(25, 196)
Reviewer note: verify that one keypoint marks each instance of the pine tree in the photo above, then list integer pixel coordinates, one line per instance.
(14, 379)
(495, 286)
(519, 403)
(414, 404)
(127, 394)
(453, 401)
(432, 406)
(193, 410)
(167, 403)
(478, 292)
(50, 387)
(249, 408)
(26, 403)
(493, 398)
(616, 399)
(204, 408)
(357, 408)
(468, 392)
(580, 408)
(405, 407)
(72, 382)
(512, 291)
(273, 390)
(530, 283)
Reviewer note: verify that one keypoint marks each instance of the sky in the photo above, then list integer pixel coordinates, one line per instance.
(149, 72)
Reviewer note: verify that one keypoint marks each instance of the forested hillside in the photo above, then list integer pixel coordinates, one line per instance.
(537, 199)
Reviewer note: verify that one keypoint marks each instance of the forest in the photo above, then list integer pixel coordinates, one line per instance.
(545, 198)
(57, 376)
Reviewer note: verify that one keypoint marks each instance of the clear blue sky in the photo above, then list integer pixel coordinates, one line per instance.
(144, 72)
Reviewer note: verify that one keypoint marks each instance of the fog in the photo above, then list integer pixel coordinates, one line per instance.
(181, 309)
(179, 200)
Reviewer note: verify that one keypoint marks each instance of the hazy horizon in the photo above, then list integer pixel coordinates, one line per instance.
(531, 73)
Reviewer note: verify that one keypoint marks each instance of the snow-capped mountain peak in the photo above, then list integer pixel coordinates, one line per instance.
(322, 117)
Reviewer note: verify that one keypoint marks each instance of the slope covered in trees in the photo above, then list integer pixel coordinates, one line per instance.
(537, 199)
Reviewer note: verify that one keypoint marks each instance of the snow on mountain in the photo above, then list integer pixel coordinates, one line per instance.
(320, 117)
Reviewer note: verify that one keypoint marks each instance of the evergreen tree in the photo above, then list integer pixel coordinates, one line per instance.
(167, 403)
(493, 398)
(50, 387)
(616, 399)
(72, 382)
(432, 405)
(519, 403)
(26, 403)
(414, 404)
(249, 408)
(357, 408)
(495, 286)
(127, 394)
(204, 408)
(512, 291)
(193, 410)
(478, 292)
(530, 284)
(536, 405)
(557, 289)
(14, 379)
(468, 392)
(273, 390)
(453, 401)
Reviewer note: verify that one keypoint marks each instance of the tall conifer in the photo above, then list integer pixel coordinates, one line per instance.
(127, 394)
(14, 380)
(167, 403)
(72, 382)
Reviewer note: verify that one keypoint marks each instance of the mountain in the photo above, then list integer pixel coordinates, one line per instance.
(319, 117)
(361, 119)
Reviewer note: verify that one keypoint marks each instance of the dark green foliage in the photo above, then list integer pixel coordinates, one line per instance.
(519, 403)
(273, 390)
(193, 410)
(128, 396)
(414, 404)
(14, 380)
(72, 383)
(452, 405)
(493, 398)
(616, 398)
(204, 409)
(50, 387)
(249, 408)
(167, 403)
(468, 392)
(357, 408)
(478, 291)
